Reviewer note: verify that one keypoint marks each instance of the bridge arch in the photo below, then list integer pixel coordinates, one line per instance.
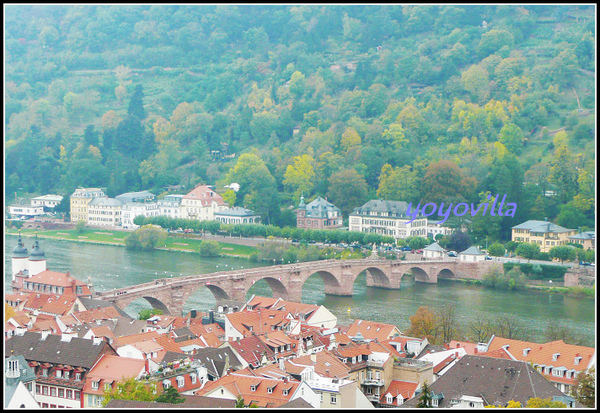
(376, 277)
(420, 275)
(277, 287)
(446, 273)
(202, 297)
(154, 303)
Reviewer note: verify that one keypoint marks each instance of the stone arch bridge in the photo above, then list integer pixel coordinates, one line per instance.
(286, 281)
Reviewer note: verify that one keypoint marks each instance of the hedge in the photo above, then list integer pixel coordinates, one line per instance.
(549, 272)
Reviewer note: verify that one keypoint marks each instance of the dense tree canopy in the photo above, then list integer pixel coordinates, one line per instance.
(421, 103)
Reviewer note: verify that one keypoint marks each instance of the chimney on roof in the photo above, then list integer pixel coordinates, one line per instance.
(476, 351)
(285, 380)
(313, 357)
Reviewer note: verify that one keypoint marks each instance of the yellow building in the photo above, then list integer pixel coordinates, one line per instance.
(587, 239)
(80, 200)
(544, 233)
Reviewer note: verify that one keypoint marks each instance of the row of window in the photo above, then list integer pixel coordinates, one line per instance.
(103, 212)
(54, 406)
(57, 392)
(65, 374)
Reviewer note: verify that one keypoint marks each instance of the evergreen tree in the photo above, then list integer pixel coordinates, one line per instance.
(136, 104)
(90, 136)
(425, 397)
(170, 396)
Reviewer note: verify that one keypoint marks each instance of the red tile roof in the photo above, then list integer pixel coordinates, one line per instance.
(204, 194)
(240, 385)
(371, 330)
(258, 321)
(543, 354)
(470, 348)
(112, 368)
(124, 340)
(58, 279)
(397, 387)
(251, 350)
(326, 364)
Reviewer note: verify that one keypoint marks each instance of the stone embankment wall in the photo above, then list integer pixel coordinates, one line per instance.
(581, 276)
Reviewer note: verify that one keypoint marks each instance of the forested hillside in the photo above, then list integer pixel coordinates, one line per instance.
(413, 103)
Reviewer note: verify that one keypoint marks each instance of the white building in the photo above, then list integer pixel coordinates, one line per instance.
(131, 210)
(104, 212)
(202, 203)
(170, 206)
(237, 215)
(80, 200)
(26, 210)
(334, 392)
(434, 251)
(47, 201)
(433, 229)
(471, 254)
(387, 218)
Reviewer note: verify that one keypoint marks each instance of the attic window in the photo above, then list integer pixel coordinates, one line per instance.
(578, 359)
(555, 356)
(253, 387)
(285, 392)
(269, 390)
(526, 351)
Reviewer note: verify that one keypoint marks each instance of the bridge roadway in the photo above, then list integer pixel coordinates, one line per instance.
(286, 281)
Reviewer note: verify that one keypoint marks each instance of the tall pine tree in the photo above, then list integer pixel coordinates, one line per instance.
(136, 104)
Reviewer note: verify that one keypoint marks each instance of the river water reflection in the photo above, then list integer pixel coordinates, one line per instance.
(110, 267)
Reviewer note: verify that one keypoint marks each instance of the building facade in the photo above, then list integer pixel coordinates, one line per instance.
(586, 238)
(237, 215)
(104, 212)
(387, 218)
(80, 200)
(170, 206)
(318, 214)
(544, 233)
(48, 202)
(201, 204)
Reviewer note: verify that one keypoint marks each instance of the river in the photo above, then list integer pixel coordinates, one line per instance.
(111, 266)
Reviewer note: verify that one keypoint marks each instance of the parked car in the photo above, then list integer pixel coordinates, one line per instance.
(405, 248)
(487, 257)
(585, 263)
(452, 254)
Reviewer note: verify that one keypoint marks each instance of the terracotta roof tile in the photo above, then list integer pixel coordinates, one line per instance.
(371, 330)
(397, 387)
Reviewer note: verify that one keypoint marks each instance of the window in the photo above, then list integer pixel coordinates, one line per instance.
(333, 399)
(166, 384)
(180, 381)
(61, 392)
(45, 390)
(53, 391)
(95, 385)
(44, 372)
(69, 394)
(37, 389)
(107, 386)
(388, 398)
(253, 388)
(77, 395)
(269, 390)
(78, 376)
(66, 374)
(59, 373)
(193, 377)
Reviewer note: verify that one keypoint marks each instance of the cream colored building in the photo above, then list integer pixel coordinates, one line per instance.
(336, 393)
(104, 212)
(387, 218)
(80, 200)
(587, 239)
(544, 233)
(201, 204)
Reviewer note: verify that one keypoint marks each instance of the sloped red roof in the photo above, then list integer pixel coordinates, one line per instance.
(397, 387)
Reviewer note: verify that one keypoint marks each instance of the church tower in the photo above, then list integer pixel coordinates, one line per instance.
(19, 258)
(37, 259)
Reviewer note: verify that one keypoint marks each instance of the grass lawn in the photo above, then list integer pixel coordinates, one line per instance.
(118, 238)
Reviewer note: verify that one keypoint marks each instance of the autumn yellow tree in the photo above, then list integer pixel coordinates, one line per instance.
(423, 324)
(8, 312)
(300, 176)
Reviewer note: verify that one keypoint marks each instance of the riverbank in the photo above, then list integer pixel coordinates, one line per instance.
(117, 238)
(569, 291)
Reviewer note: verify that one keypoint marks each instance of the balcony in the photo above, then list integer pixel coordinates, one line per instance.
(375, 364)
(373, 397)
(372, 382)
